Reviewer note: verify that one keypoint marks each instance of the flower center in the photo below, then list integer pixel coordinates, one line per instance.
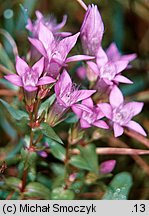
(108, 71)
(89, 117)
(70, 94)
(30, 78)
(121, 115)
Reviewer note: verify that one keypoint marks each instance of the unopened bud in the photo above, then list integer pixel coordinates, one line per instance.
(107, 166)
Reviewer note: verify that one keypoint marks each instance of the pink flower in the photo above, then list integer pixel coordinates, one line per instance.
(121, 113)
(56, 51)
(29, 78)
(67, 93)
(89, 114)
(81, 72)
(107, 70)
(50, 22)
(107, 166)
(92, 31)
(114, 54)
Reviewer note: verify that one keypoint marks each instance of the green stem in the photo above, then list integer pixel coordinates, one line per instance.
(67, 165)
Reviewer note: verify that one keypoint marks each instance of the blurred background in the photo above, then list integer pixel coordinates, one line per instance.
(126, 23)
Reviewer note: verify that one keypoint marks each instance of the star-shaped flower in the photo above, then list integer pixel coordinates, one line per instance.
(67, 93)
(50, 22)
(29, 78)
(121, 113)
(89, 114)
(56, 51)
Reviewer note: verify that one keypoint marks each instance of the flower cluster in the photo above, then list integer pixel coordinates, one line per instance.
(103, 70)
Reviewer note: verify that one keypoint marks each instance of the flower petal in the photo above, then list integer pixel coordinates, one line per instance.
(93, 67)
(29, 25)
(118, 130)
(45, 80)
(14, 79)
(66, 44)
(116, 97)
(129, 57)
(113, 52)
(38, 45)
(77, 110)
(101, 57)
(61, 25)
(106, 109)
(38, 14)
(88, 102)
(45, 36)
(79, 58)
(83, 94)
(39, 66)
(21, 66)
(134, 107)
(122, 79)
(84, 123)
(63, 82)
(136, 127)
(101, 124)
(120, 65)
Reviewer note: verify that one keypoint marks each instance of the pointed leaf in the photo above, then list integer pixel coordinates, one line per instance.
(62, 194)
(119, 187)
(46, 104)
(57, 150)
(35, 189)
(16, 114)
(13, 183)
(49, 132)
(87, 159)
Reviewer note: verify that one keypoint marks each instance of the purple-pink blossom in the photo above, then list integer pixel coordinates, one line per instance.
(49, 21)
(67, 93)
(55, 51)
(92, 30)
(89, 114)
(29, 77)
(107, 166)
(114, 54)
(121, 113)
(107, 70)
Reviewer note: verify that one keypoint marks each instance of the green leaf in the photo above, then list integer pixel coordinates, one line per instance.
(62, 194)
(57, 150)
(87, 159)
(29, 5)
(43, 179)
(5, 60)
(57, 168)
(13, 183)
(25, 14)
(71, 118)
(36, 189)
(49, 132)
(46, 104)
(32, 173)
(16, 114)
(119, 187)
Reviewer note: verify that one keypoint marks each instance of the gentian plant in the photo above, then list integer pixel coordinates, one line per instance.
(64, 106)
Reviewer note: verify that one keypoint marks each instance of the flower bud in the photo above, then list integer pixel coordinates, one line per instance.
(107, 166)
(92, 30)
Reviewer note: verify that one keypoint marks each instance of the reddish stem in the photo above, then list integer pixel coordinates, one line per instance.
(140, 138)
(116, 151)
(83, 5)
